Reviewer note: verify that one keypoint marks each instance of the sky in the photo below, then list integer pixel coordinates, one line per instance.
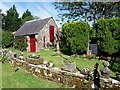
(40, 9)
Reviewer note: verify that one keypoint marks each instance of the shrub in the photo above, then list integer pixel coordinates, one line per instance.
(106, 34)
(20, 43)
(7, 39)
(115, 66)
(75, 36)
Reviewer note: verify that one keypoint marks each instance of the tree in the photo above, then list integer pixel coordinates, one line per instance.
(26, 16)
(73, 10)
(90, 11)
(7, 39)
(115, 29)
(105, 40)
(114, 26)
(75, 36)
(1, 18)
(3, 22)
(12, 22)
(36, 17)
(104, 9)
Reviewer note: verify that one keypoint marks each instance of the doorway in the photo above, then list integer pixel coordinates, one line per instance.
(32, 43)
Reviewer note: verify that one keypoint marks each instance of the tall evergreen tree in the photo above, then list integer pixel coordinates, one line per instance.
(26, 16)
(3, 22)
(12, 22)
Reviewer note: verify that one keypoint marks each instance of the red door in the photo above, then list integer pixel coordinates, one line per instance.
(51, 33)
(32, 43)
(44, 41)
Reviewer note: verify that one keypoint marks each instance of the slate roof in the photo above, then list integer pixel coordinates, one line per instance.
(31, 27)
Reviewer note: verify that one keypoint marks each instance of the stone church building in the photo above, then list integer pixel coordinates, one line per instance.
(39, 33)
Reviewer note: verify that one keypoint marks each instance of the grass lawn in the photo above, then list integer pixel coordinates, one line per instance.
(57, 59)
(20, 79)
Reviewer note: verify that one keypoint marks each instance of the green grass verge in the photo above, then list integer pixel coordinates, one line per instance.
(57, 59)
(20, 79)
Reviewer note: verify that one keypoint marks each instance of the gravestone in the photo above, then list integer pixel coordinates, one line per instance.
(69, 66)
(94, 49)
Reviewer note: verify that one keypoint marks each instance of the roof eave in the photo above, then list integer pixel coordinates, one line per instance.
(17, 35)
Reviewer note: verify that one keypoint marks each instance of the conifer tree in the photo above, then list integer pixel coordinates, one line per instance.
(12, 22)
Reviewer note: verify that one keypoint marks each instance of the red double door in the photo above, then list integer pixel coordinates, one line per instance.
(32, 43)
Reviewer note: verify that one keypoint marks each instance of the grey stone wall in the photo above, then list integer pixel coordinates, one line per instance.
(45, 33)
